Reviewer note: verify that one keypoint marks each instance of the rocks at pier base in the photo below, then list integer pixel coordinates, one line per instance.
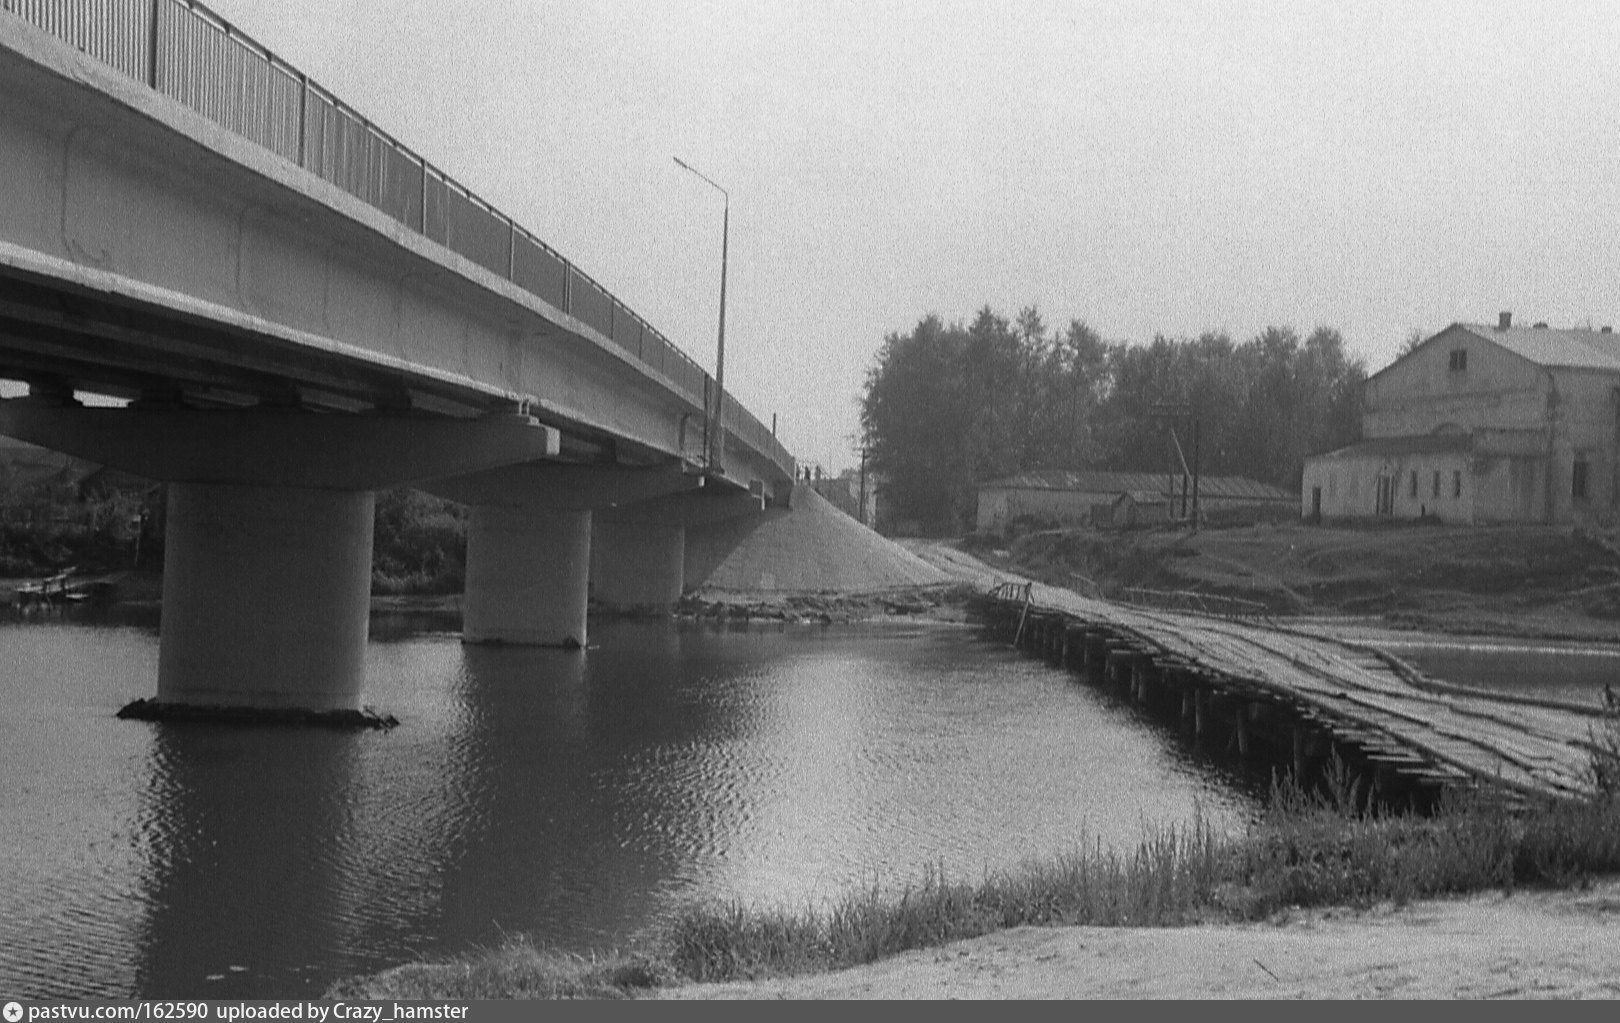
(155, 710)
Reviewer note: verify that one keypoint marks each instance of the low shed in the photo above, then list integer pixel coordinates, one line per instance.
(1077, 498)
(1138, 508)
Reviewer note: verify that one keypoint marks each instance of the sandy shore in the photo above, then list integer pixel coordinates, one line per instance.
(1531, 944)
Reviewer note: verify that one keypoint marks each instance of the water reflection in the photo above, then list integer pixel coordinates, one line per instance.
(575, 797)
(240, 831)
(527, 766)
(1571, 672)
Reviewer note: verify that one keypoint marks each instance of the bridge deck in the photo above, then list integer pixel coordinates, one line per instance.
(1364, 699)
(230, 234)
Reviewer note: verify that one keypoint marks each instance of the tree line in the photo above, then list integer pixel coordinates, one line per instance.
(419, 541)
(949, 406)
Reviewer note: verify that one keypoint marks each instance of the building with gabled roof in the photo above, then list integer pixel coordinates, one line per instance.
(1088, 497)
(1483, 424)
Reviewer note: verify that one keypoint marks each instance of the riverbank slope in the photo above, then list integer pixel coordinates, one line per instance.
(1546, 582)
(1530, 944)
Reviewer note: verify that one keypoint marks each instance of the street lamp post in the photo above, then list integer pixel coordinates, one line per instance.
(714, 429)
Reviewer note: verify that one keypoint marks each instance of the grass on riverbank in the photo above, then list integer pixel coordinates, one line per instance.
(1499, 580)
(1309, 849)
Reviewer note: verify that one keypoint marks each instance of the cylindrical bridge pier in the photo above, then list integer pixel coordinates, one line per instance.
(266, 592)
(528, 572)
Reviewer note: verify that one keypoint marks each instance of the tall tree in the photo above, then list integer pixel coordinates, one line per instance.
(949, 407)
(995, 379)
(1076, 373)
(913, 422)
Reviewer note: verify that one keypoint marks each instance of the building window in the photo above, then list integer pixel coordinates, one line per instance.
(1456, 483)
(1437, 483)
(1577, 479)
(1414, 482)
(1459, 359)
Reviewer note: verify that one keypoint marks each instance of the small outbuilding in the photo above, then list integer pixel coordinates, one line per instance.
(1138, 508)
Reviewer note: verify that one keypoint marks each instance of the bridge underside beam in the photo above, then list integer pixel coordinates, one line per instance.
(277, 447)
(581, 486)
(701, 507)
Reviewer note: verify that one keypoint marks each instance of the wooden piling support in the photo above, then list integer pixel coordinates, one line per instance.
(1276, 697)
(1074, 647)
(1140, 671)
(1032, 637)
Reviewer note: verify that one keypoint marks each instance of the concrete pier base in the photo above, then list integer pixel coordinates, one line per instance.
(637, 565)
(528, 572)
(266, 592)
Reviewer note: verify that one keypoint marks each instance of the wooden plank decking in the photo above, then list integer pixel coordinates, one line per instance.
(1307, 689)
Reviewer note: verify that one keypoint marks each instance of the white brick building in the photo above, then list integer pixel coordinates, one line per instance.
(1483, 424)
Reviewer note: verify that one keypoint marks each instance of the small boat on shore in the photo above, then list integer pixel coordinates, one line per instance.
(62, 589)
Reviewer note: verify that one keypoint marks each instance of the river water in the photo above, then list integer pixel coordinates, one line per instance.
(575, 797)
(1566, 671)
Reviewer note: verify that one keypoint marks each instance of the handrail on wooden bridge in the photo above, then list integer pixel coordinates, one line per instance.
(1191, 600)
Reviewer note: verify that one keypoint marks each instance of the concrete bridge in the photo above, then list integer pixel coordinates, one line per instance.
(301, 311)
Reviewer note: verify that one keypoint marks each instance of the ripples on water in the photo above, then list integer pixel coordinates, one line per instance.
(574, 797)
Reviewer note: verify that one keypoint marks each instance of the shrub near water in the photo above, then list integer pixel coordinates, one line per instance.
(1314, 849)
(1166, 881)
(419, 544)
(518, 969)
(45, 529)
(1317, 848)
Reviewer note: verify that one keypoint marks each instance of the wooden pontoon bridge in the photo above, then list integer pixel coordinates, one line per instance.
(1296, 698)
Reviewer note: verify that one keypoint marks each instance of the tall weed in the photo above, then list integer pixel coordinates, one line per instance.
(1328, 845)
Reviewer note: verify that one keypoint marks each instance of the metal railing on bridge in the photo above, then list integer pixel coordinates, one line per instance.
(187, 52)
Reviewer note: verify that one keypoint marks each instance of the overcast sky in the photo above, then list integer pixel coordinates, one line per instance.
(1149, 168)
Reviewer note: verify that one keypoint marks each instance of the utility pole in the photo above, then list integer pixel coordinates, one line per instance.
(714, 441)
(862, 515)
(1170, 412)
(1195, 519)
